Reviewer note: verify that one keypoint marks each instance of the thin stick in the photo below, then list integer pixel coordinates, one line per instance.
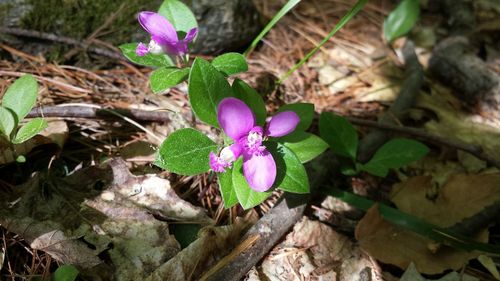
(89, 111)
(61, 39)
(473, 149)
(95, 111)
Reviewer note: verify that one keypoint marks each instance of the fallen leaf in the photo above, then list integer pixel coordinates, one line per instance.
(411, 274)
(315, 250)
(461, 196)
(490, 265)
(451, 121)
(100, 212)
(212, 245)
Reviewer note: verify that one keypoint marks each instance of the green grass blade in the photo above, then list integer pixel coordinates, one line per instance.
(417, 225)
(354, 10)
(288, 6)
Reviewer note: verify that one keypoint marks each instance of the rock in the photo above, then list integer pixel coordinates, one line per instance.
(225, 25)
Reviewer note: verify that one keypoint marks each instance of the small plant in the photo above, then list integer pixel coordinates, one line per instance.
(253, 158)
(343, 140)
(65, 273)
(17, 102)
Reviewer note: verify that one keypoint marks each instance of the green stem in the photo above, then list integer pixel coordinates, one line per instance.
(354, 10)
(288, 6)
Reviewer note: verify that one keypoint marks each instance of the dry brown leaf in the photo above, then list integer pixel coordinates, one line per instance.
(315, 250)
(411, 274)
(212, 245)
(451, 121)
(97, 212)
(461, 196)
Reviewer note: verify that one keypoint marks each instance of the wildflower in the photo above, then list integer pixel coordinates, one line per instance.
(164, 37)
(238, 122)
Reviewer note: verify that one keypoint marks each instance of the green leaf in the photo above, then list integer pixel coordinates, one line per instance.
(7, 121)
(291, 175)
(21, 96)
(30, 130)
(165, 78)
(305, 146)
(395, 154)
(401, 20)
(304, 110)
(339, 134)
(283, 11)
(178, 14)
(184, 233)
(226, 188)
(247, 94)
(207, 87)
(65, 273)
(247, 197)
(21, 159)
(185, 152)
(128, 50)
(230, 63)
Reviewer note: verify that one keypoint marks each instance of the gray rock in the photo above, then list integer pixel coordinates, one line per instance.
(225, 25)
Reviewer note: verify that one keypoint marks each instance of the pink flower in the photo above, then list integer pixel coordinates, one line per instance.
(164, 37)
(238, 122)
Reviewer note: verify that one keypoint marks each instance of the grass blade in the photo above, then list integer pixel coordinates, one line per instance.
(288, 6)
(417, 225)
(354, 10)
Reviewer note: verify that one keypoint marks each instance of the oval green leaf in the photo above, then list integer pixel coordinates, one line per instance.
(30, 129)
(164, 78)
(291, 175)
(247, 197)
(178, 14)
(226, 189)
(207, 87)
(185, 152)
(7, 121)
(230, 63)
(401, 20)
(65, 273)
(305, 112)
(395, 154)
(21, 96)
(305, 146)
(339, 134)
(128, 50)
(249, 95)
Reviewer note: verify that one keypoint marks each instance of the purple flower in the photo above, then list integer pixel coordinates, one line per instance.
(238, 122)
(164, 37)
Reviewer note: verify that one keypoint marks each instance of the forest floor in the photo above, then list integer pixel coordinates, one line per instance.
(356, 74)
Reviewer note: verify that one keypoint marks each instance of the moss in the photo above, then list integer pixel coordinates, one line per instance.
(4, 10)
(80, 18)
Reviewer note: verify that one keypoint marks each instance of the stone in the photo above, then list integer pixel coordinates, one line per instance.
(224, 25)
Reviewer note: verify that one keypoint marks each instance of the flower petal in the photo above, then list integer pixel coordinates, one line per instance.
(158, 26)
(259, 170)
(282, 124)
(235, 118)
(216, 163)
(141, 50)
(190, 35)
